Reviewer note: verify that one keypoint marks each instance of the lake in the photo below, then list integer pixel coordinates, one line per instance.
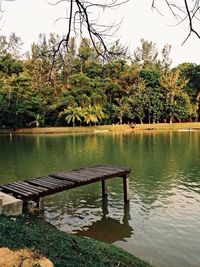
(161, 224)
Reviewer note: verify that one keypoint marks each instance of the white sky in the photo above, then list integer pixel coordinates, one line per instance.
(28, 18)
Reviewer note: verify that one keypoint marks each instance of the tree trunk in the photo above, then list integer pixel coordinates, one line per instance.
(121, 119)
(149, 118)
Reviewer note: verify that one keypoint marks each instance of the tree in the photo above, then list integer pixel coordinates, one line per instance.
(139, 100)
(85, 53)
(90, 114)
(10, 65)
(166, 60)
(122, 109)
(155, 104)
(11, 45)
(73, 115)
(191, 72)
(19, 104)
(99, 112)
(147, 54)
(150, 76)
(14, 45)
(172, 87)
(98, 96)
(68, 60)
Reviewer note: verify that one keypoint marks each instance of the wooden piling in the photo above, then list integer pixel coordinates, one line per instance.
(126, 187)
(104, 188)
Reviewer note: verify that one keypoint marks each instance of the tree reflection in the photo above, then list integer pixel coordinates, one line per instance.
(108, 229)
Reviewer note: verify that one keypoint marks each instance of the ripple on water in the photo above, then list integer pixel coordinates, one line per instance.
(162, 223)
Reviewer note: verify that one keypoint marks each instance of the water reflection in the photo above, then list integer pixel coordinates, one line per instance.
(164, 187)
(107, 228)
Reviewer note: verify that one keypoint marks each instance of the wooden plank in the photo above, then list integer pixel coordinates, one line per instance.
(54, 181)
(37, 188)
(41, 183)
(46, 179)
(104, 173)
(80, 173)
(101, 170)
(49, 183)
(23, 191)
(24, 188)
(15, 190)
(57, 181)
(70, 177)
(30, 187)
(88, 174)
(110, 172)
(71, 174)
(110, 167)
(84, 176)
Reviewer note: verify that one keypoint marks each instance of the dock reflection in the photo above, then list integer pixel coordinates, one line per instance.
(109, 229)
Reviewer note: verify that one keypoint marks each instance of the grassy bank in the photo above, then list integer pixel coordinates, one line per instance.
(62, 249)
(106, 128)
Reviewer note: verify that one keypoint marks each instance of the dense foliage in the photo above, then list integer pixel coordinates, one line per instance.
(77, 87)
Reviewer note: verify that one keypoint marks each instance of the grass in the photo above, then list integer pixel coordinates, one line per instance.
(61, 248)
(169, 127)
(106, 128)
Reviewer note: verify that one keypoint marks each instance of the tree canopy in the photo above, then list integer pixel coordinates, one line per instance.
(86, 90)
(63, 82)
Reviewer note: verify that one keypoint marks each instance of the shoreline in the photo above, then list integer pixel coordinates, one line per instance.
(187, 126)
(60, 248)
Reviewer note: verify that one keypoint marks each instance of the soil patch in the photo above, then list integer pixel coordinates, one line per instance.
(22, 258)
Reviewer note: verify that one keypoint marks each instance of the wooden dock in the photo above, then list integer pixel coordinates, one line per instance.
(34, 189)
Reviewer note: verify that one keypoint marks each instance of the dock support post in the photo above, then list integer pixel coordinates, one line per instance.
(24, 206)
(126, 188)
(104, 188)
(40, 203)
(37, 201)
(105, 206)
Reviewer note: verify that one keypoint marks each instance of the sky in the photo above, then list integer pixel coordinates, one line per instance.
(28, 18)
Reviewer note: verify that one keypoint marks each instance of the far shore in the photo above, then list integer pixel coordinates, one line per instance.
(186, 126)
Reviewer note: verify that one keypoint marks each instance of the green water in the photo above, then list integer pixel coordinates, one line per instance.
(162, 222)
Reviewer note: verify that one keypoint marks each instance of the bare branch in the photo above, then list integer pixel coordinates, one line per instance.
(184, 11)
(190, 18)
(80, 22)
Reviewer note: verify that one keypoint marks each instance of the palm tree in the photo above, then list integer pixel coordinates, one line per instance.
(99, 112)
(74, 114)
(90, 115)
